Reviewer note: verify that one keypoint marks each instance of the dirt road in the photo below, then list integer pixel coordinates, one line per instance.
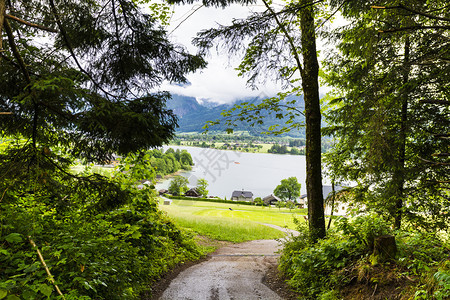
(232, 272)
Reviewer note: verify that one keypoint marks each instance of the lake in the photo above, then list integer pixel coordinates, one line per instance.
(227, 171)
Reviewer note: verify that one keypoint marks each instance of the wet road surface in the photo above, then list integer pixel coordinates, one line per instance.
(233, 272)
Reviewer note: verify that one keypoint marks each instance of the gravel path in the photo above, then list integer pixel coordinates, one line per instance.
(232, 272)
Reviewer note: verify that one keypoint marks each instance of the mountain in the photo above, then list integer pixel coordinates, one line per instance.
(193, 116)
(182, 105)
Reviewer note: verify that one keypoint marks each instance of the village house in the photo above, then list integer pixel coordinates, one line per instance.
(192, 193)
(271, 199)
(303, 201)
(162, 192)
(242, 196)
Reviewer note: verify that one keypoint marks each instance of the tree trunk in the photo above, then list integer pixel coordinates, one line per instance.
(310, 84)
(2, 18)
(399, 175)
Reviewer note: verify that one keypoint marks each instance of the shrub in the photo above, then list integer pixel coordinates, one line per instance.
(313, 268)
(92, 252)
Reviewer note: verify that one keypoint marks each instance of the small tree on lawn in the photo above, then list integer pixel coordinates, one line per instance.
(280, 204)
(259, 201)
(202, 186)
(290, 205)
(178, 185)
(288, 190)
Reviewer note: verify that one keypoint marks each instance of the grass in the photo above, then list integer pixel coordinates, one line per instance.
(105, 171)
(242, 223)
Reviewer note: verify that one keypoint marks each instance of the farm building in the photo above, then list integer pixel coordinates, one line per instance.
(192, 193)
(162, 192)
(271, 199)
(242, 196)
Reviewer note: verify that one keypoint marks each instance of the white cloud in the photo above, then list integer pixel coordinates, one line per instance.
(219, 82)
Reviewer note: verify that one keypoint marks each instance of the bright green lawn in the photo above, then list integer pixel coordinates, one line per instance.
(105, 171)
(217, 221)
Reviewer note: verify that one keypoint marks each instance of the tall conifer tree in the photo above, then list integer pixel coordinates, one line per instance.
(391, 78)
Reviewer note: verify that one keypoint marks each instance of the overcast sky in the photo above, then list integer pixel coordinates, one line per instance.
(219, 82)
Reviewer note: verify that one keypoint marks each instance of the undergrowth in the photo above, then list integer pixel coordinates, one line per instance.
(91, 252)
(340, 266)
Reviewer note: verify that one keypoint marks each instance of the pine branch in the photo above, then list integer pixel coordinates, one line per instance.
(287, 35)
(442, 135)
(11, 17)
(434, 162)
(443, 102)
(441, 154)
(417, 27)
(71, 51)
(15, 51)
(401, 6)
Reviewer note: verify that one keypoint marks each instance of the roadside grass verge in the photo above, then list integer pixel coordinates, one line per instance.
(217, 221)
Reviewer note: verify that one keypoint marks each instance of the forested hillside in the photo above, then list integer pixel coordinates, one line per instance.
(194, 116)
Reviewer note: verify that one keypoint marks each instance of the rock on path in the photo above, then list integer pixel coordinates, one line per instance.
(232, 272)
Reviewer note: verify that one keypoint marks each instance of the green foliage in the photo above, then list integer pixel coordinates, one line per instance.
(278, 149)
(258, 201)
(442, 278)
(313, 268)
(419, 252)
(85, 95)
(324, 269)
(288, 189)
(170, 161)
(388, 109)
(269, 112)
(92, 252)
(290, 205)
(364, 229)
(202, 186)
(280, 204)
(73, 91)
(178, 185)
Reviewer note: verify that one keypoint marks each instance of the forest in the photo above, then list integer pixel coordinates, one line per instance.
(80, 84)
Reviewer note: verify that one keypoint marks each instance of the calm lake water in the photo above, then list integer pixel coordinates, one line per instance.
(227, 171)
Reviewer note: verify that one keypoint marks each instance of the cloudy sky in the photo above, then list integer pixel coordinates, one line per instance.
(219, 82)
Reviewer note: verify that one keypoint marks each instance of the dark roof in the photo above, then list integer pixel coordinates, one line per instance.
(245, 194)
(193, 192)
(270, 198)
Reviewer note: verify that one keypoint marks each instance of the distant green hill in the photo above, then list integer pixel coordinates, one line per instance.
(193, 116)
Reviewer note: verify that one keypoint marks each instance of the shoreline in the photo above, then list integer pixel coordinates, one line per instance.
(232, 150)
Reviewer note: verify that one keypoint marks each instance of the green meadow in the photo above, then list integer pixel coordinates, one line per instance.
(238, 224)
